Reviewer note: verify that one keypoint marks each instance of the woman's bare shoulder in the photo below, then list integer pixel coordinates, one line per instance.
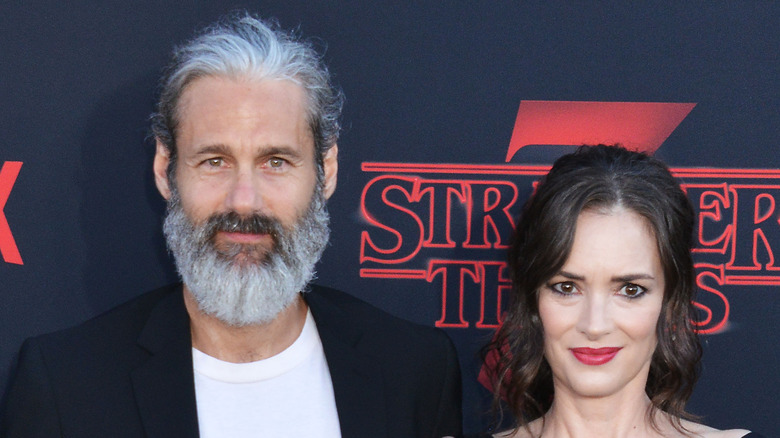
(709, 432)
(513, 433)
(532, 431)
(731, 433)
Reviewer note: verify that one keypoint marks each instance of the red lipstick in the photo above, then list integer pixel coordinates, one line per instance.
(595, 356)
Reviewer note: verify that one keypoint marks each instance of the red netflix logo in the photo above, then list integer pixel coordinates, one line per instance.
(8, 249)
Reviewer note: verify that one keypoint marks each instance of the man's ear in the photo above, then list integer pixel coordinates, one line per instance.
(161, 160)
(330, 164)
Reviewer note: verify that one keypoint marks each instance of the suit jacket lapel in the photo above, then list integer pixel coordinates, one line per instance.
(358, 381)
(164, 384)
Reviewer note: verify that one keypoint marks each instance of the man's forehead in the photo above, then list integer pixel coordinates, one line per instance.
(213, 96)
(215, 80)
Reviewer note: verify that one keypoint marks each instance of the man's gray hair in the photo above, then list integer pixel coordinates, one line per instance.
(241, 46)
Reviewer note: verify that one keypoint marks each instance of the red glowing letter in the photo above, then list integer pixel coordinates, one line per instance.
(8, 248)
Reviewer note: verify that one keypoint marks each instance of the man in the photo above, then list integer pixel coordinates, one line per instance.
(246, 157)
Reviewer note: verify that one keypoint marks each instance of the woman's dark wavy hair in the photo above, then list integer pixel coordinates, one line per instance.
(597, 178)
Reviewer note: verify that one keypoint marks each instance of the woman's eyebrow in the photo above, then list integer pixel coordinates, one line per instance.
(571, 276)
(632, 277)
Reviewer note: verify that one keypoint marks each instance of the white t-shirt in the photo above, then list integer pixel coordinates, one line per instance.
(287, 395)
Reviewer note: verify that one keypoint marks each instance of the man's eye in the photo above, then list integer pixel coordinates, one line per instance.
(276, 162)
(631, 290)
(564, 288)
(214, 162)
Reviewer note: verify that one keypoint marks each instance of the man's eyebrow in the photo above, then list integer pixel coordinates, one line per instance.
(278, 150)
(218, 149)
(264, 151)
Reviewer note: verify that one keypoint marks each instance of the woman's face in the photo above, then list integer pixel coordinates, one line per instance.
(600, 311)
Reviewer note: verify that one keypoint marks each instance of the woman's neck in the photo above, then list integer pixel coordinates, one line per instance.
(624, 414)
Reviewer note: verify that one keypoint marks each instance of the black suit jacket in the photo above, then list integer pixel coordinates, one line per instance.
(128, 373)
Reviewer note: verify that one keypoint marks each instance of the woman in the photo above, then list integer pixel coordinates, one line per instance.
(598, 341)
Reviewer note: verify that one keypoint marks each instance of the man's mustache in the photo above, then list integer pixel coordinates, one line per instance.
(233, 222)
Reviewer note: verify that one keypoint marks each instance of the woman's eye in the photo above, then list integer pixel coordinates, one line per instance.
(564, 288)
(632, 290)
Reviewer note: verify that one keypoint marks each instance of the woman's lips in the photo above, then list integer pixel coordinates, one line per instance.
(595, 356)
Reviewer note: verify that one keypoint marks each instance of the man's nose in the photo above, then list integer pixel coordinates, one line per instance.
(245, 194)
(595, 319)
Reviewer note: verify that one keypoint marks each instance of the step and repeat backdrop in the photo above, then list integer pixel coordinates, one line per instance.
(454, 110)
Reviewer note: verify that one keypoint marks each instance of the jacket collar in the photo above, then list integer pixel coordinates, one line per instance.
(164, 384)
(358, 380)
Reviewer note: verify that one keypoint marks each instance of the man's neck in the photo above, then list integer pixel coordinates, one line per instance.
(244, 344)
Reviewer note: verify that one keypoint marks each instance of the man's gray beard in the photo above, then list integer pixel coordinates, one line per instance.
(232, 286)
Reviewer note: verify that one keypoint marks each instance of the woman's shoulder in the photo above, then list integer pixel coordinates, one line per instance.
(731, 433)
(473, 435)
(709, 432)
(505, 434)
(511, 433)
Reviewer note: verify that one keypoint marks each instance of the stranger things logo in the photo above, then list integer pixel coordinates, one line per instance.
(449, 225)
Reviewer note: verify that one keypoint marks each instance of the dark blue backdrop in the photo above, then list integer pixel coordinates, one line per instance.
(426, 82)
